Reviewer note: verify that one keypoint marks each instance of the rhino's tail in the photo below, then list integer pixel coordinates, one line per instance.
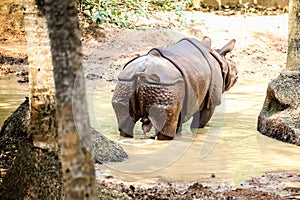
(140, 75)
(135, 103)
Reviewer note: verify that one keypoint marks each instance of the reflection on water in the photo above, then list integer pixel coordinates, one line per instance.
(229, 147)
(12, 94)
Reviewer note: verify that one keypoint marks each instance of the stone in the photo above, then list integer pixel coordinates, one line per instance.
(105, 150)
(15, 129)
(280, 115)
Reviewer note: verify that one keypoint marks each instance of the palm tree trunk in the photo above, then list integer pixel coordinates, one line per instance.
(72, 113)
(293, 57)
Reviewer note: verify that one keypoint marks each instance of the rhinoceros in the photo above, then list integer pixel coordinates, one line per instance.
(168, 86)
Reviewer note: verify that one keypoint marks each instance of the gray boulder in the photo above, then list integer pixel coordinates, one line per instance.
(280, 115)
(15, 128)
(105, 150)
(13, 131)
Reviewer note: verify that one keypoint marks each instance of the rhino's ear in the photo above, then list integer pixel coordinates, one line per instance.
(206, 41)
(227, 48)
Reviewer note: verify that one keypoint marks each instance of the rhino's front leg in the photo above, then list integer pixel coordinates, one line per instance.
(200, 118)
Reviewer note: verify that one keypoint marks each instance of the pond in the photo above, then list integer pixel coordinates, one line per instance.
(228, 149)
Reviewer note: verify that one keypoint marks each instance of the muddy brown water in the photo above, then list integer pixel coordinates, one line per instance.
(228, 149)
(12, 94)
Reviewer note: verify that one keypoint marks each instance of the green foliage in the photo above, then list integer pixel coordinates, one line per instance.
(124, 13)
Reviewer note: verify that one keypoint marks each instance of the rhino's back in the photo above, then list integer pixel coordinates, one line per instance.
(195, 64)
(150, 64)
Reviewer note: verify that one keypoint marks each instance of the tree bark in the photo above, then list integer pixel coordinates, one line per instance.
(72, 113)
(293, 57)
(36, 170)
(41, 80)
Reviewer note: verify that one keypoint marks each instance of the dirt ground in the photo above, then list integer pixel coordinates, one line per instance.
(273, 186)
(260, 50)
(260, 53)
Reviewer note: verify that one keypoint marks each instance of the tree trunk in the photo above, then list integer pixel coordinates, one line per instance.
(293, 57)
(41, 80)
(36, 171)
(72, 113)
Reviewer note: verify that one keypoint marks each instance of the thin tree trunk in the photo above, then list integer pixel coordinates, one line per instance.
(41, 80)
(36, 172)
(42, 123)
(72, 113)
(293, 57)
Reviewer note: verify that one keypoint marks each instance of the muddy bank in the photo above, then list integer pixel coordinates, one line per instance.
(279, 185)
(14, 61)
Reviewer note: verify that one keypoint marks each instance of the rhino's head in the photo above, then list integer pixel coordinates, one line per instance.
(230, 73)
(228, 66)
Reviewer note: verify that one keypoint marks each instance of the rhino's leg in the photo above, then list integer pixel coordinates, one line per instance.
(126, 129)
(179, 124)
(161, 136)
(200, 118)
(165, 120)
(161, 105)
(120, 103)
(125, 123)
(170, 128)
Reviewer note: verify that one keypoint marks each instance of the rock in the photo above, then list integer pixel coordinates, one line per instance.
(280, 115)
(15, 128)
(105, 150)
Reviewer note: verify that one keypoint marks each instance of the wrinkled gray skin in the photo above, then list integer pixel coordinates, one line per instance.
(152, 90)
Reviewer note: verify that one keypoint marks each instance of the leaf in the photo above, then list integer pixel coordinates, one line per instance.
(123, 24)
(124, 12)
(98, 21)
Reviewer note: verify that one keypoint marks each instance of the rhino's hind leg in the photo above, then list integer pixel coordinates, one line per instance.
(160, 107)
(120, 103)
(125, 122)
(160, 136)
(126, 129)
(201, 118)
(179, 124)
(165, 120)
